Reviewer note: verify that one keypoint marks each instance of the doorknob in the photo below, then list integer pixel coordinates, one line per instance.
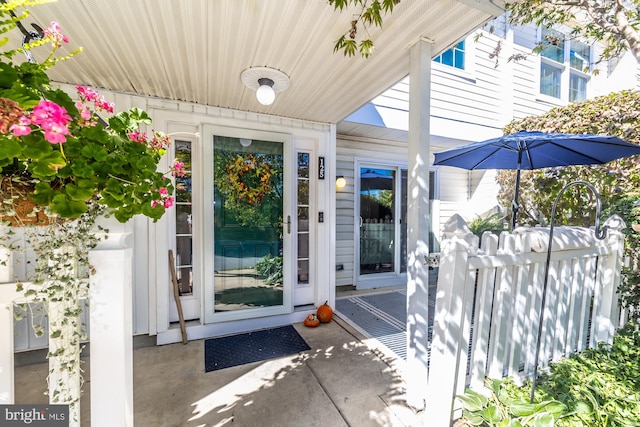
(288, 224)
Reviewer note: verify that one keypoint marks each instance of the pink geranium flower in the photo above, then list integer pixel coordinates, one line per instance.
(23, 127)
(90, 95)
(168, 202)
(54, 33)
(178, 168)
(49, 112)
(55, 133)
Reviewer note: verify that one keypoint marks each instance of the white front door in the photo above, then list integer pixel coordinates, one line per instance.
(245, 224)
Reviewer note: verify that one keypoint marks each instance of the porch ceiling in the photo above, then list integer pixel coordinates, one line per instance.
(195, 50)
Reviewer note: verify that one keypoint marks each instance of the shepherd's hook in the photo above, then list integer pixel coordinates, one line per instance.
(600, 235)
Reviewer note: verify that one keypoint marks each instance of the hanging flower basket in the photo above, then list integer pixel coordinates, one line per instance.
(17, 209)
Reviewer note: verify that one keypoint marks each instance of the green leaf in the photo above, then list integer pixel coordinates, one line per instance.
(473, 400)
(9, 148)
(81, 192)
(366, 48)
(520, 409)
(94, 151)
(472, 418)
(43, 194)
(48, 166)
(82, 169)
(67, 208)
(35, 146)
(8, 75)
(491, 414)
(544, 420)
(551, 406)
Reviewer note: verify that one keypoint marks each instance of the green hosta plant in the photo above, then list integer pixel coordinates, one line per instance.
(498, 405)
(58, 152)
(599, 387)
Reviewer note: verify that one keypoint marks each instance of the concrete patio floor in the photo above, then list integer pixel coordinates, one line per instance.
(341, 381)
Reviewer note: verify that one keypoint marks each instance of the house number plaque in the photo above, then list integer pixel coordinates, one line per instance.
(321, 168)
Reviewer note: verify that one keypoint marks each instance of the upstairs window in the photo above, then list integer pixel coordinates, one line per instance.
(453, 57)
(564, 64)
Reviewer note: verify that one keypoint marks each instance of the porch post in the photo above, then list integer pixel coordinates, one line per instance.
(418, 223)
(111, 323)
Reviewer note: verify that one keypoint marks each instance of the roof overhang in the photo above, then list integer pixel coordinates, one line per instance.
(196, 50)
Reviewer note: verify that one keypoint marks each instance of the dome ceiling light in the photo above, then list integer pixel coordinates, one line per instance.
(266, 82)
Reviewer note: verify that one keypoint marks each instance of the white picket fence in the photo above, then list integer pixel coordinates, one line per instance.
(110, 315)
(488, 305)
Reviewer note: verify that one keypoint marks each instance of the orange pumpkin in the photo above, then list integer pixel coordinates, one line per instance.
(311, 321)
(325, 313)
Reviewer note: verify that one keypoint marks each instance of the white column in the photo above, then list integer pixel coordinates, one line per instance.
(111, 330)
(418, 223)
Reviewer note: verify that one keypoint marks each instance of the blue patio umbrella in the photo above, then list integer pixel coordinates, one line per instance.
(536, 150)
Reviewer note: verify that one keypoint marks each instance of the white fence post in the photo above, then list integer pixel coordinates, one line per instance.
(606, 316)
(7, 292)
(450, 331)
(111, 358)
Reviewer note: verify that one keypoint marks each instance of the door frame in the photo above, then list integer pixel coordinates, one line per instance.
(391, 278)
(395, 278)
(206, 160)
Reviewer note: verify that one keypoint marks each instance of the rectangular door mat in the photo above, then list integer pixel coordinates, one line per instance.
(235, 350)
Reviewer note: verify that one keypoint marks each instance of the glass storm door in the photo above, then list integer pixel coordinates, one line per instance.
(383, 221)
(251, 229)
(377, 220)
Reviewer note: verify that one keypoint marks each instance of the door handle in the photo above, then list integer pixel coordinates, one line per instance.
(288, 224)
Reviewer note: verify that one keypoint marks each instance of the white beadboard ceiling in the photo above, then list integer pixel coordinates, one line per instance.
(195, 50)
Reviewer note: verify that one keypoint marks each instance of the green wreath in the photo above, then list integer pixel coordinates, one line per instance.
(247, 181)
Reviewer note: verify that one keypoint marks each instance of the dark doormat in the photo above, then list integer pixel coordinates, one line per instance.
(235, 350)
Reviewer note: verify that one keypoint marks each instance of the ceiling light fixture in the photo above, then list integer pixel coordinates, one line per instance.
(266, 82)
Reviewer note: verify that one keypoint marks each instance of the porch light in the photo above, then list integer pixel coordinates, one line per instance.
(340, 182)
(265, 93)
(266, 82)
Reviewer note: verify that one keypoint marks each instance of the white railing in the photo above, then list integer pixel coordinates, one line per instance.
(488, 305)
(110, 314)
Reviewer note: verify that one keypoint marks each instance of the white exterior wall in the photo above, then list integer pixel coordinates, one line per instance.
(152, 292)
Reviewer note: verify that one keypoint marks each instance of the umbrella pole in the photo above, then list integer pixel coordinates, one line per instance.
(514, 206)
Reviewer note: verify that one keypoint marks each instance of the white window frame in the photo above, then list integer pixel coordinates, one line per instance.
(565, 70)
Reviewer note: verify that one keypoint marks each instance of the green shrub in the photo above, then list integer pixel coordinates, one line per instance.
(494, 223)
(270, 270)
(599, 387)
